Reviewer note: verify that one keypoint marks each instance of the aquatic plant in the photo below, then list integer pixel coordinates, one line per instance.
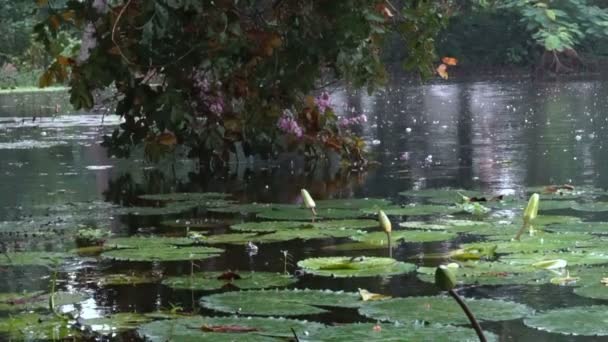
(387, 227)
(446, 281)
(309, 203)
(88, 237)
(530, 214)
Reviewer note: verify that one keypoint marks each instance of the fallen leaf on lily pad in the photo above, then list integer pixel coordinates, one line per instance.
(370, 296)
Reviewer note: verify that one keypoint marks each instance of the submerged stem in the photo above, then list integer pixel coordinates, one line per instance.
(314, 214)
(469, 314)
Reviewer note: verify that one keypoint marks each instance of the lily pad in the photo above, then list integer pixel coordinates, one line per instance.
(280, 302)
(490, 273)
(578, 320)
(306, 234)
(162, 253)
(127, 279)
(355, 267)
(418, 210)
(209, 281)
(380, 239)
(574, 258)
(353, 203)
(397, 332)
(541, 242)
(169, 209)
(443, 310)
(36, 327)
(251, 208)
(194, 329)
(591, 206)
(302, 214)
(33, 258)
(37, 300)
(185, 196)
(115, 323)
(232, 238)
(580, 227)
(273, 226)
(544, 220)
(595, 291)
(447, 194)
(194, 223)
(554, 205)
(147, 242)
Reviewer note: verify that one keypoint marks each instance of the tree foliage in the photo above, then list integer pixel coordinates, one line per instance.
(225, 75)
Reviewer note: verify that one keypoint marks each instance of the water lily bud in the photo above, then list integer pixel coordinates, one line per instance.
(445, 278)
(385, 223)
(532, 208)
(308, 201)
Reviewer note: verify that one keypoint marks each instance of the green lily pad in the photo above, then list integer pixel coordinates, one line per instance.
(209, 281)
(36, 327)
(424, 225)
(578, 320)
(595, 291)
(577, 192)
(169, 209)
(191, 329)
(194, 223)
(185, 196)
(117, 322)
(544, 220)
(554, 204)
(302, 214)
(232, 238)
(280, 302)
(273, 226)
(491, 273)
(162, 253)
(306, 234)
(127, 279)
(591, 206)
(252, 208)
(33, 258)
(580, 227)
(443, 310)
(37, 300)
(446, 194)
(355, 267)
(541, 242)
(147, 242)
(353, 203)
(397, 332)
(574, 258)
(380, 239)
(417, 210)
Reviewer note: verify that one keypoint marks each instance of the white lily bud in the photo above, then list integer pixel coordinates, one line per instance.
(385, 223)
(308, 201)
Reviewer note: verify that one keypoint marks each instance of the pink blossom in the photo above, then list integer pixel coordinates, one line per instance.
(88, 43)
(101, 6)
(323, 102)
(289, 125)
(357, 120)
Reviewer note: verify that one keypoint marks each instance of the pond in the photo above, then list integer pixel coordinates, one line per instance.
(181, 267)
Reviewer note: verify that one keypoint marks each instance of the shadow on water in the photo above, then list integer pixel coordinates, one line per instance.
(495, 136)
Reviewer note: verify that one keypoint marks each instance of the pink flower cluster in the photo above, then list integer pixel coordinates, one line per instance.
(323, 102)
(213, 100)
(289, 125)
(357, 120)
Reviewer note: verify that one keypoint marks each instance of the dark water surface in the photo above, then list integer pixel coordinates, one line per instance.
(494, 136)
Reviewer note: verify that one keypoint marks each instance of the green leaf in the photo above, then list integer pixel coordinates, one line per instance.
(443, 310)
(280, 302)
(162, 253)
(114, 323)
(35, 327)
(191, 329)
(355, 267)
(209, 281)
(578, 320)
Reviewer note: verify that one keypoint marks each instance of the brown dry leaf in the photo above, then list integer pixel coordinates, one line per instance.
(449, 61)
(370, 296)
(229, 276)
(167, 139)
